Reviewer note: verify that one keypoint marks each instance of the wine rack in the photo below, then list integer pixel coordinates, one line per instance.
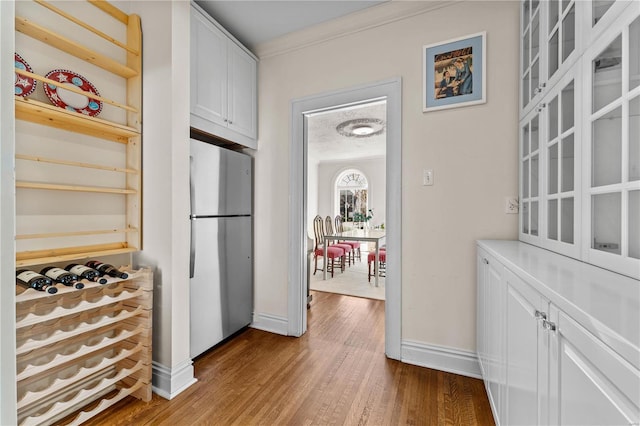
(79, 348)
(42, 236)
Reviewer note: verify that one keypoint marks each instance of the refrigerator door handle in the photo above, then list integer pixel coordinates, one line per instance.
(192, 250)
(192, 195)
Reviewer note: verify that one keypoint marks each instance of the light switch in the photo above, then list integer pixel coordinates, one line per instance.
(427, 177)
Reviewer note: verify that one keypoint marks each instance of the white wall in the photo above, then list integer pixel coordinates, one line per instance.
(7, 223)
(473, 152)
(165, 27)
(375, 172)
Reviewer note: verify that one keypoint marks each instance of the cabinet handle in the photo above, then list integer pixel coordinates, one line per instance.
(485, 261)
(541, 107)
(540, 88)
(540, 315)
(230, 122)
(548, 325)
(225, 120)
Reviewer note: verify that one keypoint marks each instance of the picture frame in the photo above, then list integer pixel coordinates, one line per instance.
(454, 73)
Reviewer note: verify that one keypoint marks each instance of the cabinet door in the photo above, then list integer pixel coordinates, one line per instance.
(531, 83)
(208, 70)
(242, 92)
(590, 384)
(612, 179)
(527, 359)
(561, 151)
(495, 330)
(561, 41)
(530, 177)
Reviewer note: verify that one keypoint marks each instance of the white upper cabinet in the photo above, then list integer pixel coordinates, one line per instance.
(223, 83)
(580, 131)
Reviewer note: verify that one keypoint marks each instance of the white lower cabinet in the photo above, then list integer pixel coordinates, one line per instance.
(527, 345)
(589, 383)
(540, 365)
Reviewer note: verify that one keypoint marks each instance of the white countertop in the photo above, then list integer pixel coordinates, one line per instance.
(604, 302)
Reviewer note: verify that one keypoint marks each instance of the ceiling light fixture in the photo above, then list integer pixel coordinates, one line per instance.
(362, 130)
(361, 127)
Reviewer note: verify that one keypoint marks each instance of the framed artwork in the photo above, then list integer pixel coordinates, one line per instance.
(454, 73)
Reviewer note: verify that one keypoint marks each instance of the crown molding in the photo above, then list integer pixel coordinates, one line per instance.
(365, 19)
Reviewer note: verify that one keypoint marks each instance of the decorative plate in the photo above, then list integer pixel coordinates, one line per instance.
(23, 86)
(70, 100)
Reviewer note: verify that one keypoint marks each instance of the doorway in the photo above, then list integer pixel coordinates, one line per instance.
(346, 179)
(390, 91)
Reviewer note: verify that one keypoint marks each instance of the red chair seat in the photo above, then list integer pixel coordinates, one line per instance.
(333, 252)
(372, 255)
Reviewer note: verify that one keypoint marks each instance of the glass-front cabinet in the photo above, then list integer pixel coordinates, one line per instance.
(530, 178)
(580, 130)
(612, 138)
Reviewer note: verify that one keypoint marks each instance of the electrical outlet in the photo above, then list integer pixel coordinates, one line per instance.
(511, 205)
(427, 177)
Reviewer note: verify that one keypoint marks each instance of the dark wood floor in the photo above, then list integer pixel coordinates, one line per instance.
(336, 373)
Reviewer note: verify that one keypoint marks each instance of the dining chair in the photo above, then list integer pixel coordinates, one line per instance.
(382, 262)
(333, 252)
(348, 249)
(355, 245)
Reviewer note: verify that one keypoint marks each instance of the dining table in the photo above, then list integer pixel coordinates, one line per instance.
(367, 235)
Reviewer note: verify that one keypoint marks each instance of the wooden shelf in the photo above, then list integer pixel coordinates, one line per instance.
(51, 115)
(73, 188)
(74, 233)
(71, 47)
(74, 164)
(40, 257)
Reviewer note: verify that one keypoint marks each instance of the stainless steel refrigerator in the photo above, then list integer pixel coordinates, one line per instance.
(221, 283)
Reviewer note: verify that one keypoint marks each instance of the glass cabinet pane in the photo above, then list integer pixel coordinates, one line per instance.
(553, 53)
(607, 75)
(634, 54)
(526, 10)
(553, 169)
(567, 107)
(525, 89)
(568, 164)
(525, 179)
(535, 35)
(535, 77)
(554, 13)
(634, 224)
(525, 140)
(569, 33)
(525, 217)
(534, 175)
(553, 119)
(534, 218)
(606, 150)
(634, 139)
(535, 134)
(566, 220)
(552, 218)
(599, 8)
(525, 51)
(606, 227)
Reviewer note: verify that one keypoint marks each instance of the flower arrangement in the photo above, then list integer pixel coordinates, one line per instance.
(361, 217)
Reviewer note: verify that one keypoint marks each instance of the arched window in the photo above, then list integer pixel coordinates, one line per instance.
(352, 196)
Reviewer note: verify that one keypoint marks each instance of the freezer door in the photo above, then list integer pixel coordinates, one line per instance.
(220, 181)
(222, 285)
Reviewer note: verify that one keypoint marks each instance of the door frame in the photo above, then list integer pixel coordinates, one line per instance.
(391, 90)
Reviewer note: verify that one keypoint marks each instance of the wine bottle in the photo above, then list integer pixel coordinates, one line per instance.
(34, 280)
(59, 275)
(106, 269)
(86, 273)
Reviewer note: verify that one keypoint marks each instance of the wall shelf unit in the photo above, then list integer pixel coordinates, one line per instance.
(79, 196)
(42, 240)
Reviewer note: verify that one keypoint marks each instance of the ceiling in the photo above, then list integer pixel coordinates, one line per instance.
(326, 144)
(254, 22)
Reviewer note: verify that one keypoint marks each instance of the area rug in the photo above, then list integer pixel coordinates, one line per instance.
(351, 282)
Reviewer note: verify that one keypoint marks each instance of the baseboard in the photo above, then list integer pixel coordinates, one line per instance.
(271, 323)
(442, 358)
(169, 382)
